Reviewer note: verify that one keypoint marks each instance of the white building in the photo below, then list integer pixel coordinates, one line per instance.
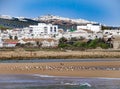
(1, 42)
(92, 27)
(44, 42)
(84, 33)
(43, 29)
(112, 32)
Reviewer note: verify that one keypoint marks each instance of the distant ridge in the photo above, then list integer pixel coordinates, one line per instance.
(53, 17)
(20, 22)
(14, 22)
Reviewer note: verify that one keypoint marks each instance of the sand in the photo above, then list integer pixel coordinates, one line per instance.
(72, 69)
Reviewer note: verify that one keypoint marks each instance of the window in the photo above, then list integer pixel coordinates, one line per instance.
(106, 32)
(45, 29)
(31, 30)
(50, 29)
(55, 29)
(32, 34)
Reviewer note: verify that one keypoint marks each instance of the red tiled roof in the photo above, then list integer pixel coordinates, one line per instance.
(10, 41)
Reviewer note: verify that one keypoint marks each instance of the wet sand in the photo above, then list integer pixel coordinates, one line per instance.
(72, 69)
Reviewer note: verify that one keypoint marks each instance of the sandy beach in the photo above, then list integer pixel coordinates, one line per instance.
(109, 69)
(73, 69)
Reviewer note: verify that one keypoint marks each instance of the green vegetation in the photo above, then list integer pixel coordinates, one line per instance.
(82, 44)
(10, 37)
(3, 28)
(109, 27)
(16, 38)
(72, 30)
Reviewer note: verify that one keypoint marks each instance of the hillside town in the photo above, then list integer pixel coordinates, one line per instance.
(48, 35)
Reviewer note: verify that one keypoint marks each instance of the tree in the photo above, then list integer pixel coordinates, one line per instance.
(62, 40)
(10, 37)
(39, 44)
(73, 39)
(103, 45)
(16, 38)
(3, 28)
(93, 43)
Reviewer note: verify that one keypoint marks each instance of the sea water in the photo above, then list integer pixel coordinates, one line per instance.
(59, 60)
(51, 82)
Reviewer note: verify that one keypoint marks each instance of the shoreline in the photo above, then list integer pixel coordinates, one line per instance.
(69, 69)
(57, 54)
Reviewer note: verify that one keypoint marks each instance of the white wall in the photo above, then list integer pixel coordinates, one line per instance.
(44, 29)
(92, 27)
(1, 42)
(111, 32)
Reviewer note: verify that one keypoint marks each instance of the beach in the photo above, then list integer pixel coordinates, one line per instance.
(101, 73)
(110, 69)
(71, 69)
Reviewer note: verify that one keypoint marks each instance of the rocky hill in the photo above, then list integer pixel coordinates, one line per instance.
(20, 22)
(17, 23)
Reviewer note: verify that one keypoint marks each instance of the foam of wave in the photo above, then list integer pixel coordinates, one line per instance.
(76, 77)
(38, 75)
(85, 84)
(71, 84)
(106, 78)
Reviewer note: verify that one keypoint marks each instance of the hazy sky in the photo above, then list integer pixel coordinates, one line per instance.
(103, 11)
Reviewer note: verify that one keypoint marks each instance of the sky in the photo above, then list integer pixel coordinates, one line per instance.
(103, 11)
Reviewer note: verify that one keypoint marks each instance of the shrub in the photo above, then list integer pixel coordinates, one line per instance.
(103, 45)
(62, 40)
(93, 43)
(62, 45)
(80, 44)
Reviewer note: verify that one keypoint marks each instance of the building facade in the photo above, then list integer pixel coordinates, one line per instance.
(92, 27)
(43, 29)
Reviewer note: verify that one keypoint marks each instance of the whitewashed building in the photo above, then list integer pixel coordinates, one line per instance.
(112, 32)
(1, 42)
(92, 27)
(45, 42)
(116, 42)
(43, 29)
(84, 33)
